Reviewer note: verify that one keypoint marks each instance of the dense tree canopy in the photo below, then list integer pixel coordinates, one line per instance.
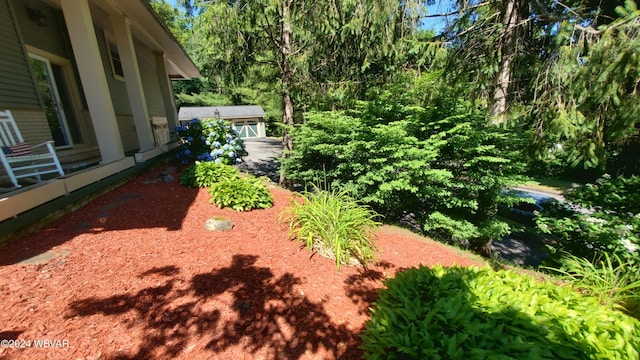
(303, 49)
(431, 126)
(567, 69)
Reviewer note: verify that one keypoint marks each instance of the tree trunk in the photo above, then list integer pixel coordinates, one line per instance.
(482, 246)
(287, 80)
(507, 50)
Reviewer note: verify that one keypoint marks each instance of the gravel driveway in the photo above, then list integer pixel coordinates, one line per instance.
(263, 158)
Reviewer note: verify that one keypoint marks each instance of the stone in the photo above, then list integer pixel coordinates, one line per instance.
(166, 178)
(45, 257)
(218, 223)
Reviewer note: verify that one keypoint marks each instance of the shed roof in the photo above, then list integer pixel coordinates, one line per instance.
(224, 112)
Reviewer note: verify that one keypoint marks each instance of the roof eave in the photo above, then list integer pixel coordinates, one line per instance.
(149, 29)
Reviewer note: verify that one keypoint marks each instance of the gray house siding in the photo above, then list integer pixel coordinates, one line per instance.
(33, 125)
(17, 89)
(119, 98)
(128, 133)
(117, 87)
(151, 88)
(50, 38)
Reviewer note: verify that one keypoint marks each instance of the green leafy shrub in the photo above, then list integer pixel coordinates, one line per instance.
(241, 194)
(611, 222)
(470, 313)
(611, 279)
(401, 158)
(188, 177)
(192, 141)
(210, 140)
(204, 174)
(334, 225)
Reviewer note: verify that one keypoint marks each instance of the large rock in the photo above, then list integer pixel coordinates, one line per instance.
(218, 223)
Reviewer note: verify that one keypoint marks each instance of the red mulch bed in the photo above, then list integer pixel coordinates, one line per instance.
(139, 277)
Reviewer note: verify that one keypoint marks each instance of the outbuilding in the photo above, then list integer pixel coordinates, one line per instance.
(248, 120)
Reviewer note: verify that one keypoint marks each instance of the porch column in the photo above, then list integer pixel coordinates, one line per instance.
(129, 60)
(166, 89)
(94, 81)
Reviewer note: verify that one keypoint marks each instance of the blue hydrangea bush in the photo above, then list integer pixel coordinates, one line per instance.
(210, 140)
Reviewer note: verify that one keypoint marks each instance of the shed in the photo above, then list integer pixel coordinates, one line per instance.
(248, 120)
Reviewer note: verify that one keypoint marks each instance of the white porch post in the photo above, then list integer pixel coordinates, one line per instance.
(94, 81)
(166, 90)
(128, 58)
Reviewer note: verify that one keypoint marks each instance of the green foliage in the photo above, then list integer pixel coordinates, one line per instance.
(188, 177)
(210, 140)
(602, 239)
(300, 52)
(568, 73)
(174, 18)
(456, 313)
(614, 281)
(225, 144)
(203, 98)
(204, 174)
(609, 219)
(587, 97)
(619, 194)
(241, 194)
(334, 225)
(439, 162)
(572, 70)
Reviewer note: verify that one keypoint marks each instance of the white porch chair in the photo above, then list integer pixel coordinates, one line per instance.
(22, 160)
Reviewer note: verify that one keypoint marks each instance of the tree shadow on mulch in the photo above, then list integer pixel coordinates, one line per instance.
(268, 313)
(153, 199)
(167, 328)
(362, 288)
(10, 335)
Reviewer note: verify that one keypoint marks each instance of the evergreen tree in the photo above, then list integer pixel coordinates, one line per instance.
(567, 69)
(302, 48)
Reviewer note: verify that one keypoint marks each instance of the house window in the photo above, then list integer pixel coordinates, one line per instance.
(52, 80)
(114, 58)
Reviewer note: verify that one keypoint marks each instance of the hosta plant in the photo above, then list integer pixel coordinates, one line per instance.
(188, 177)
(241, 194)
(204, 174)
(334, 225)
(471, 313)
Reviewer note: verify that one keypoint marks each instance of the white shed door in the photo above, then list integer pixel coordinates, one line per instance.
(246, 128)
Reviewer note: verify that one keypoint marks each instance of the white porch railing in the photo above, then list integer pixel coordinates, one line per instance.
(29, 197)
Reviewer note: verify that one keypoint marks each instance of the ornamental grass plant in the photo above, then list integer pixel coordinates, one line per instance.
(613, 280)
(333, 225)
